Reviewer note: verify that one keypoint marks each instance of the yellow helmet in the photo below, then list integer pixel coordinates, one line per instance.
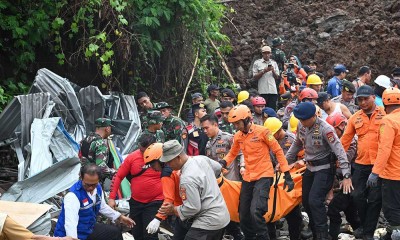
(314, 79)
(243, 95)
(273, 124)
(293, 122)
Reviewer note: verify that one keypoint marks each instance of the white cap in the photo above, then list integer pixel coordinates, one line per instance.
(266, 49)
(383, 81)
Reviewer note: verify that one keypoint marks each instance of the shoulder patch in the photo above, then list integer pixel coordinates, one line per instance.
(381, 128)
(330, 136)
(182, 192)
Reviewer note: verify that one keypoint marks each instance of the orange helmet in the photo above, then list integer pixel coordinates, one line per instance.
(153, 152)
(336, 119)
(308, 93)
(391, 96)
(239, 112)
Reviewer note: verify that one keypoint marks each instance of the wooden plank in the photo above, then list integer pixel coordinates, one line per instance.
(24, 213)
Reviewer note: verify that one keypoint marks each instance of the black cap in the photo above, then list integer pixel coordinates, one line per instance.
(196, 95)
(364, 91)
(212, 87)
(348, 86)
(228, 93)
(308, 69)
(396, 71)
(322, 97)
(309, 62)
(285, 97)
(197, 106)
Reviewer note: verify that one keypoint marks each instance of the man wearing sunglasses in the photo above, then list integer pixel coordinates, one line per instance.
(81, 207)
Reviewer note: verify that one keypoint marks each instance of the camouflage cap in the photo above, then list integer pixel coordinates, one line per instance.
(154, 117)
(277, 41)
(103, 122)
(162, 105)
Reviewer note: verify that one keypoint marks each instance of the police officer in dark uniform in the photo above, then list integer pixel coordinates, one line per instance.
(319, 140)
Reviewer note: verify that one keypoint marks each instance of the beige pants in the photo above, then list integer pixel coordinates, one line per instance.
(14, 231)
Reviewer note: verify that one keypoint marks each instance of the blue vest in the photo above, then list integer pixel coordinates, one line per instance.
(87, 212)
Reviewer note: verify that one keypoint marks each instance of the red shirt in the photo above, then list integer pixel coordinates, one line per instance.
(145, 188)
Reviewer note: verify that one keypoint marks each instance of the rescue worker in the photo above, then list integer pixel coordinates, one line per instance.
(285, 140)
(347, 97)
(266, 73)
(319, 140)
(170, 185)
(388, 162)
(217, 147)
(364, 77)
(172, 126)
(224, 124)
(255, 142)
(212, 102)
(154, 123)
(228, 95)
(143, 100)
(364, 123)
(194, 137)
(81, 206)
(381, 83)
(196, 98)
(203, 204)
(277, 53)
(146, 189)
(335, 83)
(330, 107)
(243, 95)
(94, 148)
(258, 105)
(314, 82)
(343, 202)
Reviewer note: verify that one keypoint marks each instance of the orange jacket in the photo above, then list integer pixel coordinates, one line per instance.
(170, 186)
(387, 163)
(367, 132)
(285, 201)
(255, 146)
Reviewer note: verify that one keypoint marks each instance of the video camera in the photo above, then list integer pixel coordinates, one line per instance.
(291, 76)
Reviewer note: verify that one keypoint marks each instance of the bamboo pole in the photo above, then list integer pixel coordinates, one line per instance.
(224, 65)
(188, 84)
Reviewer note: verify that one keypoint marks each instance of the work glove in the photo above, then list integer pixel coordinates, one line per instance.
(288, 182)
(223, 163)
(153, 226)
(372, 180)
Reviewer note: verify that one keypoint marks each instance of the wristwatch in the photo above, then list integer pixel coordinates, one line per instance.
(347, 175)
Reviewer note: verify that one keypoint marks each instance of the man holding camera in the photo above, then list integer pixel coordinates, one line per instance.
(266, 72)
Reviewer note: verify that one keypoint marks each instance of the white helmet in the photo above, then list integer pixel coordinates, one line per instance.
(383, 81)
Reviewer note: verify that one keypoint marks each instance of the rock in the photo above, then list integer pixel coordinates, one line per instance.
(324, 35)
(247, 34)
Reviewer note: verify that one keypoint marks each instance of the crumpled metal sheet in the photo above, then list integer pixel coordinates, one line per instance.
(62, 145)
(92, 105)
(42, 226)
(46, 184)
(66, 103)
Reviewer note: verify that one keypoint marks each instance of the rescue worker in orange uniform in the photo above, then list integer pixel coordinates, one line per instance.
(387, 165)
(255, 142)
(365, 124)
(170, 185)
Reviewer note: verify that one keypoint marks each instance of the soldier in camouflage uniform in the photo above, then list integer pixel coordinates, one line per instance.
(94, 148)
(347, 97)
(277, 54)
(155, 121)
(172, 126)
(224, 124)
(145, 103)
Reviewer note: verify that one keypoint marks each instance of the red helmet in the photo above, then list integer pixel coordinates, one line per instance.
(258, 101)
(336, 119)
(308, 93)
